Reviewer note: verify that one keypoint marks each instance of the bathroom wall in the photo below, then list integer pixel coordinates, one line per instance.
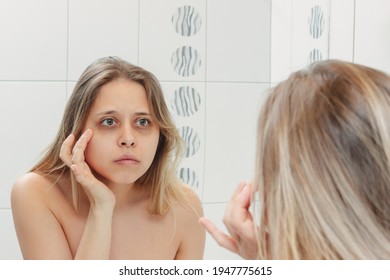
(219, 56)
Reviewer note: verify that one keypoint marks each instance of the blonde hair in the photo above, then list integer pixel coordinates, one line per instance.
(323, 165)
(161, 175)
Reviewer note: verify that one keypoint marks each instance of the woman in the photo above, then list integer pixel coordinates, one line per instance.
(322, 170)
(106, 187)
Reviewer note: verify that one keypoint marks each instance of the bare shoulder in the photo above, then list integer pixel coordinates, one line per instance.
(192, 201)
(30, 185)
(34, 188)
(192, 235)
(36, 203)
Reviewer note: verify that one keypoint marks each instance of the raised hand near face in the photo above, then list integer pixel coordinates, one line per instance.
(239, 223)
(72, 154)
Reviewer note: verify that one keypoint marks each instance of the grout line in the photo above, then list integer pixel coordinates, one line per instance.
(329, 25)
(216, 82)
(35, 81)
(139, 30)
(354, 31)
(161, 81)
(67, 48)
(270, 42)
(215, 202)
(205, 102)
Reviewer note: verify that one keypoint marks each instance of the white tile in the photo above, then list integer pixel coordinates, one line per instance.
(341, 33)
(69, 89)
(372, 29)
(101, 28)
(31, 114)
(33, 40)
(8, 240)
(238, 40)
(231, 119)
(159, 39)
(281, 33)
(213, 251)
(190, 113)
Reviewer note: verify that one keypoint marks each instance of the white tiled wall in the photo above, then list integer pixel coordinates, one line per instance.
(372, 40)
(238, 40)
(98, 28)
(231, 114)
(33, 38)
(243, 48)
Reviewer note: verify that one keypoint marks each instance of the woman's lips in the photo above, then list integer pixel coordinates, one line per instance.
(127, 160)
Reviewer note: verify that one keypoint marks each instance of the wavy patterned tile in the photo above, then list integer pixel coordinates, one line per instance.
(316, 21)
(189, 177)
(314, 55)
(186, 21)
(185, 101)
(186, 61)
(191, 139)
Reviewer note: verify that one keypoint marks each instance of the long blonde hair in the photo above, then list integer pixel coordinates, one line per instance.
(323, 165)
(161, 175)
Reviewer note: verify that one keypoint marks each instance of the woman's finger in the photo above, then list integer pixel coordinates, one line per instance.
(220, 237)
(238, 189)
(237, 217)
(80, 146)
(66, 150)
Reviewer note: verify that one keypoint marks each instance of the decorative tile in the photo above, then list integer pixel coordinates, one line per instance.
(173, 39)
(191, 140)
(189, 176)
(310, 32)
(186, 21)
(186, 61)
(186, 102)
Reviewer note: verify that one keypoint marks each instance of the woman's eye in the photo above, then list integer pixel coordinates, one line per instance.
(108, 122)
(143, 122)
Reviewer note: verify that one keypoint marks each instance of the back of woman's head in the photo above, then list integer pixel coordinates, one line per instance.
(323, 164)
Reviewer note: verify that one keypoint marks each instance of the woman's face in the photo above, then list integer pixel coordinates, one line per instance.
(125, 136)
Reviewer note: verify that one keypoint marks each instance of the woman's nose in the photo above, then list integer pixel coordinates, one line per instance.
(127, 138)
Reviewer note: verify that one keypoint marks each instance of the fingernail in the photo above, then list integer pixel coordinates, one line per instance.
(245, 190)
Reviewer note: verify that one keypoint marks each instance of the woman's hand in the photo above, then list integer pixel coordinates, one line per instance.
(95, 242)
(239, 223)
(72, 154)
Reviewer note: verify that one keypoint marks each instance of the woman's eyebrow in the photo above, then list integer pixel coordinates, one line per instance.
(142, 114)
(113, 112)
(109, 112)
